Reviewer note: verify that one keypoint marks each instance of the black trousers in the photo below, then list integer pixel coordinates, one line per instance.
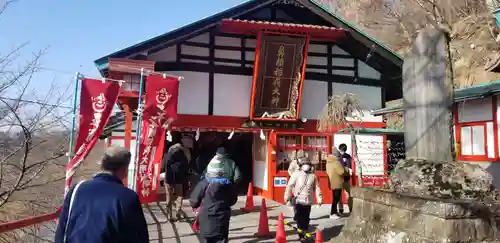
(221, 239)
(337, 206)
(302, 216)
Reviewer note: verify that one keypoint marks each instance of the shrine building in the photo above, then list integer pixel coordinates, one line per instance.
(255, 78)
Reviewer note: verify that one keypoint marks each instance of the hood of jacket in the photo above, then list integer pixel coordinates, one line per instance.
(174, 148)
(336, 152)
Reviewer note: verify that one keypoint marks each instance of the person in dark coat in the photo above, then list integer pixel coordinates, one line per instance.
(103, 210)
(214, 197)
(176, 169)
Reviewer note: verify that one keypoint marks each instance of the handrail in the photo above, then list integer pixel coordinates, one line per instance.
(21, 223)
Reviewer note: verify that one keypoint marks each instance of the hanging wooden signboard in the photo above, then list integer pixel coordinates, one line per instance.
(278, 76)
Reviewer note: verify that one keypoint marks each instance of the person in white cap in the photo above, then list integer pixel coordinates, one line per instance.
(222, 160)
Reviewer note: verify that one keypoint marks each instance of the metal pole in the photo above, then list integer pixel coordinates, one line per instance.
(73, 116)
(138, 131)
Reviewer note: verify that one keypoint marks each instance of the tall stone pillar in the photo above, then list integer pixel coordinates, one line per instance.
(428, 98)
(429, 197)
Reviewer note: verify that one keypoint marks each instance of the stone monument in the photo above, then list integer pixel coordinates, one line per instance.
(429, 197)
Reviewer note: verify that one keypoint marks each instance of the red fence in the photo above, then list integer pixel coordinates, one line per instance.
(21, 223)
(375, 181)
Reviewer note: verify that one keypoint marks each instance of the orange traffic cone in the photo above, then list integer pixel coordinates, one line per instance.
(319, 237)
(280, 230)
(249, 202)
(263, 230)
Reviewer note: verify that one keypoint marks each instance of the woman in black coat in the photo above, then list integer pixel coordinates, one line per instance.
(214, 197)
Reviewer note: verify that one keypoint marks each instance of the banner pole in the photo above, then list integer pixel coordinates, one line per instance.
(138, 132)
(73, 117)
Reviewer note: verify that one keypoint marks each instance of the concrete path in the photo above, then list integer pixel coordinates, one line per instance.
(242, 227)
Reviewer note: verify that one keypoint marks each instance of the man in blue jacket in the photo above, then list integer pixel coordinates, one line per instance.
(103, 210)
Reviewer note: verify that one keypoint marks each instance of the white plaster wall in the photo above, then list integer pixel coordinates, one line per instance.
(314, 60)
(193, 93)
(168, 54)
(370, 98)
(314, 98)
(260, 167)
(317, 48)
(343, 62)
(227, 41)
(232, 95)
(342, 138)
(339, 51)
(195, 50)
(202, 38)
(475, 110)
(365, 71)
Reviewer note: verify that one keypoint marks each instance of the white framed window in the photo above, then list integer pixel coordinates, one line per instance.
(473, 140)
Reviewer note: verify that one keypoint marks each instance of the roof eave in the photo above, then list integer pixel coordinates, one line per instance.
(208, 21)
(101, 65)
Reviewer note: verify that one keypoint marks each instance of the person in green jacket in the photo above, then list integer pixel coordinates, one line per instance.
(222, 160)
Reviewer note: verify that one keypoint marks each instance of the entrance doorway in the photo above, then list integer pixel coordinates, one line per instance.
(239, 148)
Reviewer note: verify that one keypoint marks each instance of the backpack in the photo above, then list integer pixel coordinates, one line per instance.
(177, 167)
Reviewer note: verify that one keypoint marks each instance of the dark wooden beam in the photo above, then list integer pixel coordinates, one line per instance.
(329, 71)
(356, 68)
(247, 71)
(332, 67)
(178, 53)
(214, 59)
(211, 75)
(243, 52)
(227, 48)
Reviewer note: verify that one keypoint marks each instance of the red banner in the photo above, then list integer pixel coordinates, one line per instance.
(97, 100)
(160, 108)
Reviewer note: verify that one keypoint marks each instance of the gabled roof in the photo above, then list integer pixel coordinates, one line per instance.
(195, 28)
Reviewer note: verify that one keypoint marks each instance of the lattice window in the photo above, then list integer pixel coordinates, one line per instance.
(315, 148)
(132, 83)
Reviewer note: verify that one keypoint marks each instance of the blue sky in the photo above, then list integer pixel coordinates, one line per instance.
(76, 32)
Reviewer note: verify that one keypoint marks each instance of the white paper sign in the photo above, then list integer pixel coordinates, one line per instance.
(371, 154)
